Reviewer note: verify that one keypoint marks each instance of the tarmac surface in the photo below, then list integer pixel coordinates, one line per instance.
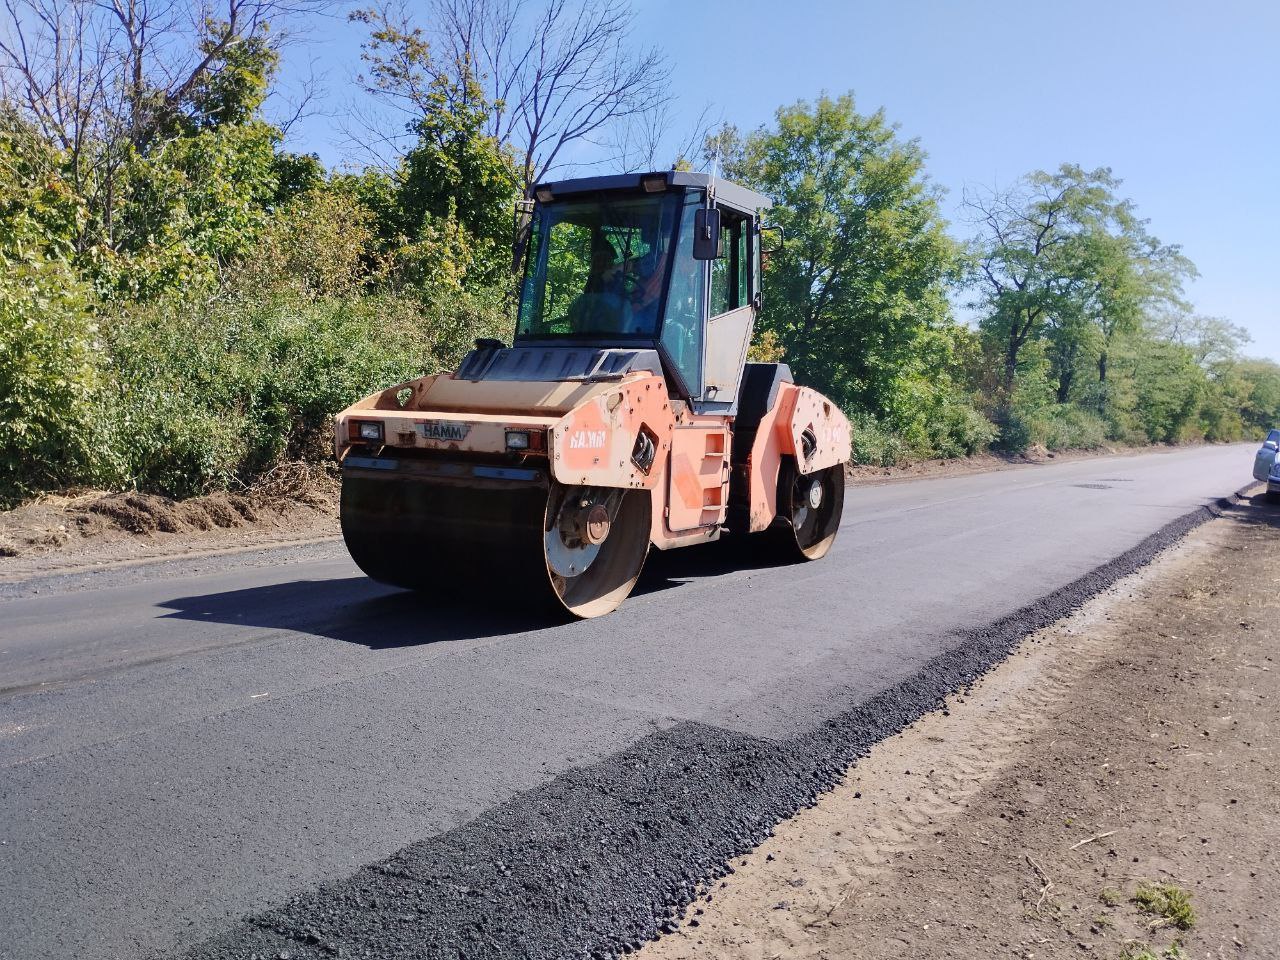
(267, 754)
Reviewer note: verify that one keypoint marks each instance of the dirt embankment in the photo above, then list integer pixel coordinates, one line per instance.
(295, 502)
(1109, 791)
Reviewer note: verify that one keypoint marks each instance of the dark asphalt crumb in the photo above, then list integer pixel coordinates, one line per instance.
(608, 856)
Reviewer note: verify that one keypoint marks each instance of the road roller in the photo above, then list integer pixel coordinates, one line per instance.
(623, 417)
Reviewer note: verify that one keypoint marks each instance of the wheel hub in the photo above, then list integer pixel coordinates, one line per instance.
(596, 527)
(580, 529)
(815, 494)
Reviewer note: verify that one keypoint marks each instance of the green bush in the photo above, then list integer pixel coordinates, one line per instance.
(1069, 427)
(48, 375)
(1063, 426)
(200, 393)
(873, 444)
(946, 424)
(930, 409)
(1033, 417)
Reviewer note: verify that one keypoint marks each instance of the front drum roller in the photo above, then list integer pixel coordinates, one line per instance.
(567, 549)
(809, 509)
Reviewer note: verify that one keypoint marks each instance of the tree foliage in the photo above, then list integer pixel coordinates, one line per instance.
(544, 82)
(857, 297)
(1061, 260)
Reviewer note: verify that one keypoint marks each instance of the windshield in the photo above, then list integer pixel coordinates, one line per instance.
(597, 267)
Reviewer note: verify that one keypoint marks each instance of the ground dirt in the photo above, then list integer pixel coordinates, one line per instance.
(1132, 742)
(297, 502)
(56, 534)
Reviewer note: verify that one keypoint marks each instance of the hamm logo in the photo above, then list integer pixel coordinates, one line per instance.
(586, 440)
(447, 430)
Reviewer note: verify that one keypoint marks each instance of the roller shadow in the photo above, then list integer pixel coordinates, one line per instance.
(360, 611)
(667, 569)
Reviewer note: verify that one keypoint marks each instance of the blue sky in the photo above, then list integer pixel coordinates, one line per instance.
(1181, 99)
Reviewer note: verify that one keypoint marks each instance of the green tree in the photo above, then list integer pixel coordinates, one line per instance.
(1261, 408)
(549, 81)
(1060, 258)
(1170, 387)
(192, 205)
(858, 295)
(49, 363)
(456, 173)
(449, 202)
(235, 86)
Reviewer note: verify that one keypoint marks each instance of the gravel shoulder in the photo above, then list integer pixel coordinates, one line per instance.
(1131, 743)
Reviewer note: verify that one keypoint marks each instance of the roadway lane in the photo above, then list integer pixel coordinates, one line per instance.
(184, 743)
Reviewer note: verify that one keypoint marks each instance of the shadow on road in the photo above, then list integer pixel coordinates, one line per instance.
(1258, 509)
(360, 611)
(667, 569)
(357, 610)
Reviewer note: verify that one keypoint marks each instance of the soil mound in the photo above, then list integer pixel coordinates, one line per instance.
(293, 497)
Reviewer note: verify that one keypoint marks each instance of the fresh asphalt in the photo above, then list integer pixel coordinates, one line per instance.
(270, 736)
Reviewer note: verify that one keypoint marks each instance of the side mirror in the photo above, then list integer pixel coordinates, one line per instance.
(1270, 445)
(706, 234)
(776, 244)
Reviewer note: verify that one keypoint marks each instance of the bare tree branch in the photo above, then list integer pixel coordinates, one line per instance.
(556, 75)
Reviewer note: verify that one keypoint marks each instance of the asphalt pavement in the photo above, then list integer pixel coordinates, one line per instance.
(187, 743)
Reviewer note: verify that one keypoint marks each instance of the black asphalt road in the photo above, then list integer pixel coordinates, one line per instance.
(188, 742)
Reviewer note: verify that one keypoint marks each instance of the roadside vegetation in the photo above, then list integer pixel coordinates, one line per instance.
(1168, 903)
(184, 302)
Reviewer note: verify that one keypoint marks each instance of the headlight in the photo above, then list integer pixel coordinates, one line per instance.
(517, 439)
(368, 430)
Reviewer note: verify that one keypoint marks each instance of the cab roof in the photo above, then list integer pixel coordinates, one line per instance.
(727, 193)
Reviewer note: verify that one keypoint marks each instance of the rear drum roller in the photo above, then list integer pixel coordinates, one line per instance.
(809, 510)
(595, 540)
(575, 549)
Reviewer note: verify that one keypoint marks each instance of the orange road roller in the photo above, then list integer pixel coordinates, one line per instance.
(624, 416)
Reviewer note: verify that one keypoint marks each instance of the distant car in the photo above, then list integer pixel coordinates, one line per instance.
(1266, 464)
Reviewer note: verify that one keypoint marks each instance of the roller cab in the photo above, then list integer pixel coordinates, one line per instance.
(624, 415)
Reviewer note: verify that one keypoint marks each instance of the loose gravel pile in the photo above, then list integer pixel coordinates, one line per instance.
(607, 856)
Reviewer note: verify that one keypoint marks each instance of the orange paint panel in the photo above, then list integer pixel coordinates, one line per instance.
(699, 475)
(766, 459)
(585, 439)
(830, 434)
(592, 445)
(780, 434)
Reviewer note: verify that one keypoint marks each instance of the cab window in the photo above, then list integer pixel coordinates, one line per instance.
(597, 267)
(729, 273)
(682, 324)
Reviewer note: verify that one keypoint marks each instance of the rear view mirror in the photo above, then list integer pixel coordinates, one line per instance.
(706, 234)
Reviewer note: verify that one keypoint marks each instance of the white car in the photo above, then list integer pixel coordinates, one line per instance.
(1266, 465)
